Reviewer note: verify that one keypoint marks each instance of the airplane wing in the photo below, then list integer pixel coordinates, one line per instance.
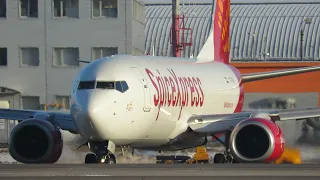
(212, 124)
(61, 119)
(274, 74)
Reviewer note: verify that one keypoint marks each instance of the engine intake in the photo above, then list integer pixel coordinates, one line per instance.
(256, 140)
(35, 141)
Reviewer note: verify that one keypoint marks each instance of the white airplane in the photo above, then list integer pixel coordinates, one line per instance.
(160, 103)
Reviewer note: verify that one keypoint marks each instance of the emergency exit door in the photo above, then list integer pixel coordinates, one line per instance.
(146, 90)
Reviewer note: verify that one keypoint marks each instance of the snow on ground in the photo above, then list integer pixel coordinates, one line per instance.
(71, 156)
(309, 154)
(5, 158)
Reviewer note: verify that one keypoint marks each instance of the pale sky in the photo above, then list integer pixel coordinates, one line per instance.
(232, 1)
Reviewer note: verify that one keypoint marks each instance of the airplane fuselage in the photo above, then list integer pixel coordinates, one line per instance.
(163, 92)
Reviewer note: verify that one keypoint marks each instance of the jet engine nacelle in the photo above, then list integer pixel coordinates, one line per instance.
(35, 141)
(256, 140)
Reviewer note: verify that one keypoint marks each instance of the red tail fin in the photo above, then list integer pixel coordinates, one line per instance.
(217, 46)
(221, 29)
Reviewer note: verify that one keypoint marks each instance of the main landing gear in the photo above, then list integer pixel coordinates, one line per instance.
(226, 157)
(103, 152)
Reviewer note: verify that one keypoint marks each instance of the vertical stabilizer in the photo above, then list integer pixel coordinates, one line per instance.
(217, 46)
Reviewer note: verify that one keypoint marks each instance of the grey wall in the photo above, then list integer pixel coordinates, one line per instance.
(47, 32)
(138, 28)
(137, 34)
(83, 33)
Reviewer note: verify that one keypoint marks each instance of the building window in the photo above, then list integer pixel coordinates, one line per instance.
(30, 102)
(66, 8)
(104, 8)
(3, 57)
(29, 8)
(3, 8)
(29, 56)
(63, 100)
(66, 57)
(99, 52)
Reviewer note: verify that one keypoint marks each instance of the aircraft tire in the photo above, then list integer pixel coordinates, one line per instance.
(219, 159)
(111, 159)
(90, 158)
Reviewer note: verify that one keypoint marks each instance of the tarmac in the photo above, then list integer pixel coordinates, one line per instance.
(160, 171)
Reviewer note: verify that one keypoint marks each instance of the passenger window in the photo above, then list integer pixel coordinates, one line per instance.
(124, 86)
(118, 86)
(105, 85)
(86, 85)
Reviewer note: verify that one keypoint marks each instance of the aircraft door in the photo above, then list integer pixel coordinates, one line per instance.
(144, 83)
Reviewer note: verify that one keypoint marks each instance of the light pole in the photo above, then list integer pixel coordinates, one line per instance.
(307, 21)
(253, 43)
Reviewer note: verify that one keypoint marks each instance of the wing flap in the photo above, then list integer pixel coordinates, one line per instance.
(212, 124)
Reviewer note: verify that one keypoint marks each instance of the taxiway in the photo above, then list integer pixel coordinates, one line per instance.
(160, 171)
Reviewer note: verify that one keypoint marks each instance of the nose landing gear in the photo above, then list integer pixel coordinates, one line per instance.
(226, 157)
(104, 159)
(103, 152)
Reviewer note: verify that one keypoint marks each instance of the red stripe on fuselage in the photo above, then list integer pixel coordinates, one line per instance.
(241, 93)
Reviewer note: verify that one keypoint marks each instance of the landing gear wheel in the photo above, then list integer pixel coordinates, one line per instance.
(226, 157)
(90, 158)
(234, 161)
(110, 160)
(219, 159)
(102, 152)
(107, 159)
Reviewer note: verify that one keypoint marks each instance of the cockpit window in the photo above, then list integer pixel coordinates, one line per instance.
(120, 86)
(105, 85)
(124, 86)
(86, 85)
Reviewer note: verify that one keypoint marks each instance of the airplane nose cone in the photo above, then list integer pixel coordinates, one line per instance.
(93, 110)
(86, 112)
(94, 107)
(83, 101)
(90, 105)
